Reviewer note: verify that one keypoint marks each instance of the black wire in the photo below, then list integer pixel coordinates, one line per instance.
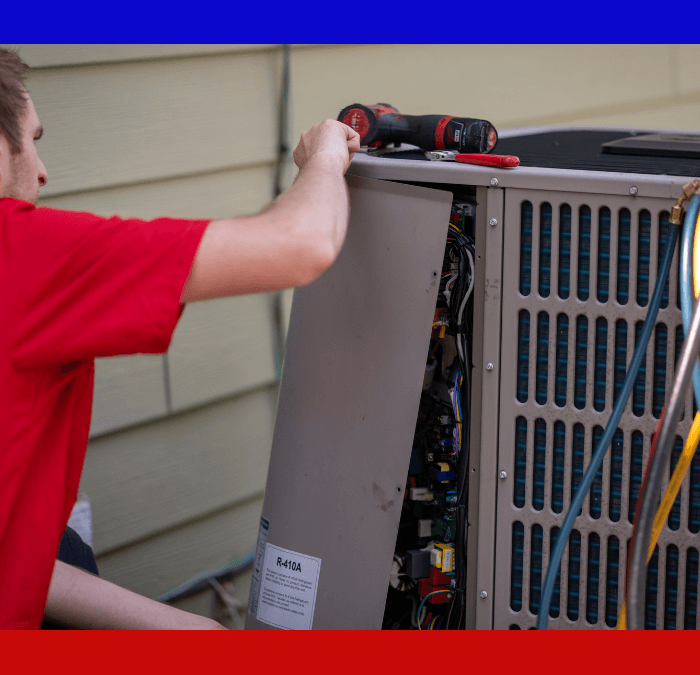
(463, 461)
(652, 491)
(460, 245)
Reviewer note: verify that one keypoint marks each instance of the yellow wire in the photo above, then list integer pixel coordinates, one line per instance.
(689, 448)
(669, 497)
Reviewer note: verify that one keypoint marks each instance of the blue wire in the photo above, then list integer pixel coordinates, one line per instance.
(420, 607)
(687, 294)
(597, 459)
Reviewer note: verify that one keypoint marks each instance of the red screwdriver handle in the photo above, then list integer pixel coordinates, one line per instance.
(503, 161)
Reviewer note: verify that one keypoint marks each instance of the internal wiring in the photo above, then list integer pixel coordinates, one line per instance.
(420, 607)
(649, 496)
(611, 428)
(469, 290)
(460, 301)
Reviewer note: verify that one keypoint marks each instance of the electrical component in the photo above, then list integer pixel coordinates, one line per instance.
(443, 556)
(418, 564)
(442, 472)
(425, 588)
(438, 581)
(425, 528)
(420, 494)
(444, 528)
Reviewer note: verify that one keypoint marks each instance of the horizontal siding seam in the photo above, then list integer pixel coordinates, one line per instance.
(254, 49)
(267, 384)
(163, 179)
(219, 510)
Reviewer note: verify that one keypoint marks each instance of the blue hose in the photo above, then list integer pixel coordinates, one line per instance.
(599, 454)
(686, 274)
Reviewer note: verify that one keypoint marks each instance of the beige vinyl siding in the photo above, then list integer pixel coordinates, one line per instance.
(152, 477)
(128, 390)
(179, 445)
(221, 347)
(52, 56)
(128, 122)
(510, 85)
(162, 562)
(216, 194)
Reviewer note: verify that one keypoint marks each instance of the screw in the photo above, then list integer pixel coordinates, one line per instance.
(633, 190)
(483, 595)
(489, 366)
(494, 182)
(503, 474)
(493, 222)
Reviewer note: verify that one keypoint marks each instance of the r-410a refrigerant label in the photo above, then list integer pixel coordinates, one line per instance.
(288, 583)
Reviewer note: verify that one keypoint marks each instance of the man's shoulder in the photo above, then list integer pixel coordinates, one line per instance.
(10, 204)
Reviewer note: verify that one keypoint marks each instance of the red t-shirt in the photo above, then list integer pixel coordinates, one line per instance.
(73, 286)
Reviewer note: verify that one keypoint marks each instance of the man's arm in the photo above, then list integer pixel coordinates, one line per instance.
(78, 599)
(293, 241)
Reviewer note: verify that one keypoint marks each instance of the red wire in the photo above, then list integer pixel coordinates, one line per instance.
(439, 342)
(654, 438)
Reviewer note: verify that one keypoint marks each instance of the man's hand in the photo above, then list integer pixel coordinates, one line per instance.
(294, 240)
(330, 140)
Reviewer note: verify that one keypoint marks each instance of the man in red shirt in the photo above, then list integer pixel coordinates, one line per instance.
(77, 286)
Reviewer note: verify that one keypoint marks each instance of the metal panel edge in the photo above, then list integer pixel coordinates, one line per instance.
(484, 440)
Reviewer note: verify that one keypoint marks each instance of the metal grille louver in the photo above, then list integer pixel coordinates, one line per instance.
(561, 372)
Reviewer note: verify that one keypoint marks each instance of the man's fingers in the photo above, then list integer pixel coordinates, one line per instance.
(354, 144)
(353, 140)
(352, 135)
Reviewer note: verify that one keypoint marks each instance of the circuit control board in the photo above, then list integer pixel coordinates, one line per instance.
(426, 587)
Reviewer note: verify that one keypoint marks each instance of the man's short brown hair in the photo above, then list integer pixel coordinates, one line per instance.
(13, 96)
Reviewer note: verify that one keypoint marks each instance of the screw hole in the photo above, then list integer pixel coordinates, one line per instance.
(434, 274)
(398, 489)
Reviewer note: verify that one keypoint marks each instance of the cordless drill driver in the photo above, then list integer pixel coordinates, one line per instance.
(381, 124)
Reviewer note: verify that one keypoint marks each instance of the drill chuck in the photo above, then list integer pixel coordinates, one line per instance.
(381, 124)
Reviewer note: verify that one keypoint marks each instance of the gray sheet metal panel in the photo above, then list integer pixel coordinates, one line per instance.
(569, 415)
(484, 419)
(349, 396)
(480, 224)
(520, 177)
